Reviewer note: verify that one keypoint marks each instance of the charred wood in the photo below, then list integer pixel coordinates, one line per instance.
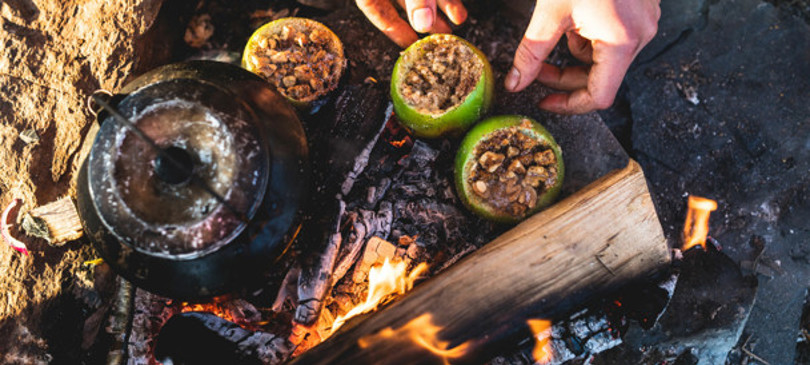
(149, 313)
(204, 338)
(316, 275)
(341, 139)
(119, 321)
(287, 292)
(353, 249)
(340, 152)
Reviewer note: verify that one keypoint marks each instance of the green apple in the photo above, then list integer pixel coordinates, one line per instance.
(508, 168)
(302, 58)
(460, 114)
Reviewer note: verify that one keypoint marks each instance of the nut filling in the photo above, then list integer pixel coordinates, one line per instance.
(300, 62)
(512, 169)
(441, 76)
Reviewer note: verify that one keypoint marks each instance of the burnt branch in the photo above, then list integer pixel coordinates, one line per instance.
(341, 153)
(204, 338)
(315, 279)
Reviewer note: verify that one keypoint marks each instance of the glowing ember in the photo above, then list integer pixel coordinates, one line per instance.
(212, 307)
(696, 227)
(422, 332)
(402, 142)
(383, 282)
(541, 329)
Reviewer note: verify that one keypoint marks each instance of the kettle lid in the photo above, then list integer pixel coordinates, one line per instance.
(151, 204)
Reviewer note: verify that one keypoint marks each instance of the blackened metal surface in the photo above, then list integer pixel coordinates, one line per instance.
(245, 261)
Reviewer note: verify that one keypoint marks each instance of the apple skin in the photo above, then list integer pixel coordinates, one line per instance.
(455, 120)
(465, 158)
(335, 44)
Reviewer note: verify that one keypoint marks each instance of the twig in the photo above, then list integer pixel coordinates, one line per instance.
(751, 354)
(754, 356)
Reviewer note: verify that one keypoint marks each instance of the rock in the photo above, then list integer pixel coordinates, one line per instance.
(743, 143)
(706, 315)
(55, 53)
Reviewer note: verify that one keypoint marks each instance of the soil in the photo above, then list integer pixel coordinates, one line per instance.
(439, 75)
(55, 53)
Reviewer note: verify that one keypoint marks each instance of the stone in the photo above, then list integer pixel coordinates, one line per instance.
(717, 108)
(55, 53)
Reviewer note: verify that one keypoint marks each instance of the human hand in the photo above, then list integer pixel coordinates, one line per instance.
(606, 34)
(421, 14)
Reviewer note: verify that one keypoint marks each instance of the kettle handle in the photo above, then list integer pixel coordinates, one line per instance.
(94, 108)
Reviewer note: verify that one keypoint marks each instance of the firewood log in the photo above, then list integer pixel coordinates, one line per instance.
(56, 222)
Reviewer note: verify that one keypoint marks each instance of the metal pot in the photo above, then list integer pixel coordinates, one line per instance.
(223, 220)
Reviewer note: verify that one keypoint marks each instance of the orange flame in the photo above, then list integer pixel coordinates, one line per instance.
(422, 332)
(541, 329)
(400, 143)
(696, 227)
(212, 307)
(383, 282)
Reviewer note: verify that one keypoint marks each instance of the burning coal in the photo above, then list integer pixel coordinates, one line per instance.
(696, 226)
(541, 331)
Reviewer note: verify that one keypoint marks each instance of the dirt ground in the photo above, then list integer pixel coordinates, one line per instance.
(55, 53)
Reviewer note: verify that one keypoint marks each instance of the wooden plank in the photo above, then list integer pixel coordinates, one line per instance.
(602, 237)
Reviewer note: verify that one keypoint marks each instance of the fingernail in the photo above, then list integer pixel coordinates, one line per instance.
(422, 20)
(512, 79)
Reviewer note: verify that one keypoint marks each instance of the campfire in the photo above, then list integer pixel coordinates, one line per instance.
(303, 211)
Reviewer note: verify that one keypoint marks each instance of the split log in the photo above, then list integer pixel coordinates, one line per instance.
(601, 238)
(56, 222)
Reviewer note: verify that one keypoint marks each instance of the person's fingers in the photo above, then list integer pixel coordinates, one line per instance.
(545, 29)
(580, 47)
(568, 79)
(454, 10)
(422, 14)
(384, 16)
(604, 79)
(439, 24)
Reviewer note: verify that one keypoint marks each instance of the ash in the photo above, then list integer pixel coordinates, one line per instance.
(418, 189)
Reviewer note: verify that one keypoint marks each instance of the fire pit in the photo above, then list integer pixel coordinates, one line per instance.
(385, 197)
(390, 266)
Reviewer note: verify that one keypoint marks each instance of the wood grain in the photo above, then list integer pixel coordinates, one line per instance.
(57, 222)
